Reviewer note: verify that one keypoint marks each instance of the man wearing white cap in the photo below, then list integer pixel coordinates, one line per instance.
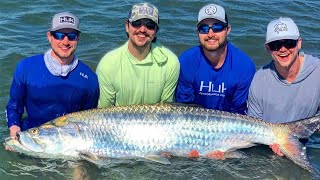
(288, 88)
(215, 74)
(52, 84)
(141, 71)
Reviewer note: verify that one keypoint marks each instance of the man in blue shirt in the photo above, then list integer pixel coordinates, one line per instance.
(215, 74)
(52, 84)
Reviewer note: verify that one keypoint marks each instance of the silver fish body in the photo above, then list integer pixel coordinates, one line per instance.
(145, 131)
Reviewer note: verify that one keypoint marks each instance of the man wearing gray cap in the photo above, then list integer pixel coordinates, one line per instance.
(52, 84)
(215, 74)
(288, 88)
(141, 71)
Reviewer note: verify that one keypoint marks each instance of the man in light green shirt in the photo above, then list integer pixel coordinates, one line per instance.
(141, 71)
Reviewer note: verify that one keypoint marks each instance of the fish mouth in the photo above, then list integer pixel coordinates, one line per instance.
(28, 143)
(14, 145)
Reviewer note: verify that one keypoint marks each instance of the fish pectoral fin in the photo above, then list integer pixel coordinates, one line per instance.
(158, 158)
(90, 157)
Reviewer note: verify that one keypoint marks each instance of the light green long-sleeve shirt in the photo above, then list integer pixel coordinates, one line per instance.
(125, 80)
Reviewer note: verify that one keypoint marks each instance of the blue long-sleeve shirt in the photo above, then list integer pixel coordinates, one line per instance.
(45, 96)
(223, 89)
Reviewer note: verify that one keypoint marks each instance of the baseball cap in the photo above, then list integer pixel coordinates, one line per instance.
(282, 28)
(64, 20)
(144, 10)
(212, 11)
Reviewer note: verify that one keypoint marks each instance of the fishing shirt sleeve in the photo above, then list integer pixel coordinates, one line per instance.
(105, 77)
(241, 94)
(185, 90)
(254, 105)
(15, 106)
(172, 78)
(93, 96)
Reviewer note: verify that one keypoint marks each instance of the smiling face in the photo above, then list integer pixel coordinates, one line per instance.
(286, 58)
(63, 50)
(213, 41)
(140, 37)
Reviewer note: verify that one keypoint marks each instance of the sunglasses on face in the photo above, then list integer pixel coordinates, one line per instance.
(205, 28)
(147, 23)
(287, 43)
(60, 35)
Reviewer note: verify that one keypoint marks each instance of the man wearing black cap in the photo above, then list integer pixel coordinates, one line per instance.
(52, 84)
(215, 74)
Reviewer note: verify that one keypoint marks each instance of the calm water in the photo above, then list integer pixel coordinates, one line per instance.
(23, 25)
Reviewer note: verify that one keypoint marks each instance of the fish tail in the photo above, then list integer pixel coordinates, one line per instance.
(292, 147)
(296, 151)
(304, 128)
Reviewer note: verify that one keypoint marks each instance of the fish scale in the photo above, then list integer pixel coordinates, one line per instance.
(207, 135)
(146, 131)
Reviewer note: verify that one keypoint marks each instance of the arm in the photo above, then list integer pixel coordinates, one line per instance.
(241, 94)
(93, 96)
(15, 106)
(171, 82)
(185, 91)
(254, 106)
(255, 109)
(107, 92)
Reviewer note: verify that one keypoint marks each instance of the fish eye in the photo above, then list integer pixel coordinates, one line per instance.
(34, 131)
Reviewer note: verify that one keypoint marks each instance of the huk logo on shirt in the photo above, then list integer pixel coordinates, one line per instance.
(84, 75)
(210, 89)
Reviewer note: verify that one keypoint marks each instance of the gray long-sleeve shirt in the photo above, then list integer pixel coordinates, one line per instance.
(275, 100)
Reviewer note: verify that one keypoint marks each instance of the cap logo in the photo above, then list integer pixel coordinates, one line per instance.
(67, 19)
(146, 11)
(280, 27)
(210, 10)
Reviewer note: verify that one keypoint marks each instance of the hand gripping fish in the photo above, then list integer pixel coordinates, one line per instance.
(146, 131)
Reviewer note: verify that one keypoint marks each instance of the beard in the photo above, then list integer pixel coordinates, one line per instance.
(211, 48)
(140, 46)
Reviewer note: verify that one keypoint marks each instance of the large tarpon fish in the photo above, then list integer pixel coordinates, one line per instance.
(145, 131)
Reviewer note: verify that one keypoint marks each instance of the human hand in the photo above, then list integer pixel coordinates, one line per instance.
(193, 154)
(13, 131)
(276, 149)
(13, 135)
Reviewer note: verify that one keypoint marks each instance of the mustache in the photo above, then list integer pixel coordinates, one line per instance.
(142, 33)
(211, 38)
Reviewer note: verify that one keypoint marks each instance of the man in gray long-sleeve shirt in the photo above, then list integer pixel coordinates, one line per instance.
(288, 88)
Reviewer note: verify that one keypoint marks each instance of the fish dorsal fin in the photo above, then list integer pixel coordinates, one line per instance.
(158, 158)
